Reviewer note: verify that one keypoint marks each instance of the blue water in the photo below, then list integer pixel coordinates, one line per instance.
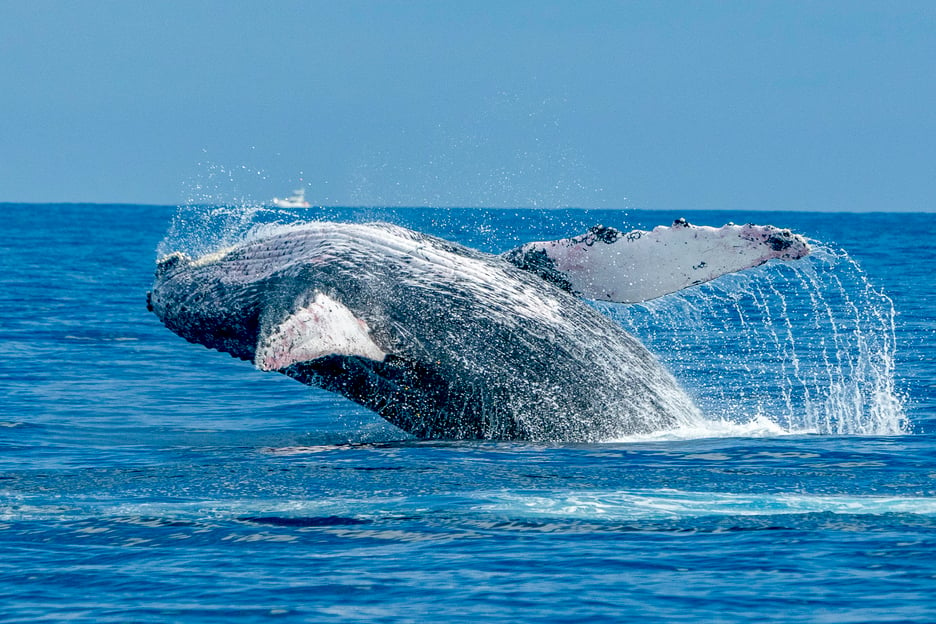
(146, 479)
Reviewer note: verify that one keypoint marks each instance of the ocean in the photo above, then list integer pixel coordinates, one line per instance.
(146, 479)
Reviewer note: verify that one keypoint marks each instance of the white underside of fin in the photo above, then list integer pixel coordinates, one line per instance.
(324, 327)
(638, 266)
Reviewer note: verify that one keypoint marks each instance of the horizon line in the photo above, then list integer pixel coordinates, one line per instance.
(416, 207)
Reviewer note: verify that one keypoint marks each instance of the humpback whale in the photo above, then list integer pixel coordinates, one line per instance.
(444, 341)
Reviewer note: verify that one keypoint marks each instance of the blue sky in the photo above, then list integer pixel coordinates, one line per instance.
(823, 106)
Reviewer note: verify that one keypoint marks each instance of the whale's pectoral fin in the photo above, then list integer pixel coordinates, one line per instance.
(609, 265)
(323, 327)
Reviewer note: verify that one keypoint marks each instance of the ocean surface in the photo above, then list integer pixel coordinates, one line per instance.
(146, 479)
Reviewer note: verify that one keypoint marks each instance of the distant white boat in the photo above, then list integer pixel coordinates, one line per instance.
(296, 200)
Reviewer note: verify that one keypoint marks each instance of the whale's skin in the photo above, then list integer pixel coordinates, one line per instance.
(443, 341)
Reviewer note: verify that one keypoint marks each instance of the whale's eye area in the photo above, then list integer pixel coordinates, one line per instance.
(169, 263)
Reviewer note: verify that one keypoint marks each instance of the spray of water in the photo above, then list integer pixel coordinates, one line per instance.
(808, 346)
(217, 211)
(786, 348)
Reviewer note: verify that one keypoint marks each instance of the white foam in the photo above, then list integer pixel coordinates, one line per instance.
(599, 505)
(677, 504)
(758, 427)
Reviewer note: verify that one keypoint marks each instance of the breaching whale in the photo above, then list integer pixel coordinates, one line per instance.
(445, 341)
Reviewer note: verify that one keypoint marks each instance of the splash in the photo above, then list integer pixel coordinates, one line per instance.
(803, 347)
(757, 427)
(218, 212)
(808, 346)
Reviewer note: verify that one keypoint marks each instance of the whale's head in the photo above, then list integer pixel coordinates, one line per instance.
(165, 267)
(191, 297)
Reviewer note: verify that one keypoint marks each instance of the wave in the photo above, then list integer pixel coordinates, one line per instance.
(676, 504)
(608, 506)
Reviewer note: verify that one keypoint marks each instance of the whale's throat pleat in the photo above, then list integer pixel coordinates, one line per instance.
(411, 395)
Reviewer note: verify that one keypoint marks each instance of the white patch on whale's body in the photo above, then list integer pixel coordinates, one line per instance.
(324, 327)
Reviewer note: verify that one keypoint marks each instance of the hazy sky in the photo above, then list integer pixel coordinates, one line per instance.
(672, 105)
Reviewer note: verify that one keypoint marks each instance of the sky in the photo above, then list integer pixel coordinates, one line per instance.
(745, 105)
